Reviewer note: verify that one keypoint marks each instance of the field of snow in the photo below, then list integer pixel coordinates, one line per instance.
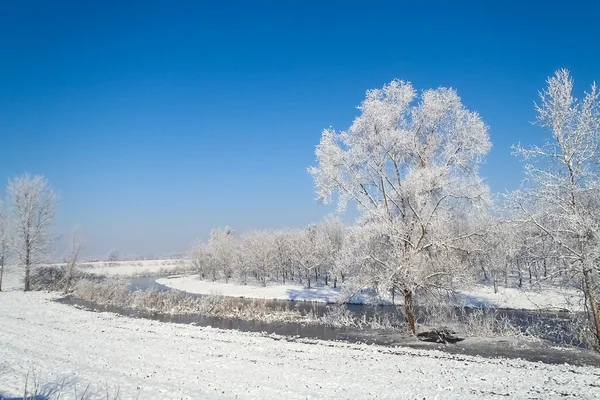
(67, 349)
(319, 293)
(550, 298)
(477, 296)
(136, 268)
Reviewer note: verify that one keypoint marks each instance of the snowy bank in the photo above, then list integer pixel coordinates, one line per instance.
(137, 268)
(153, 360)
(477, 296)
(319, 293)
(551, 298)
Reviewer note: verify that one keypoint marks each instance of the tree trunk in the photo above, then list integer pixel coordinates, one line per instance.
(307, 279)
(1, 271)
(27, 267)
(335, 282)
(325, 276)
(26, 288)
(589, 289)
(408, 310)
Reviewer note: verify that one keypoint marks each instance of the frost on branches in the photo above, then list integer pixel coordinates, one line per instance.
(561, 193)
(411, 164)
(32, 205)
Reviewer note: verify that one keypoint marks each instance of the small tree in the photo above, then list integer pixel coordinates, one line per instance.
(72, 258)
(32, 205)
(112, 257)
(200, 257)
(413, 171)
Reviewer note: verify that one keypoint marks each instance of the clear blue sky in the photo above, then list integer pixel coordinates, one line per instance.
(156, 121)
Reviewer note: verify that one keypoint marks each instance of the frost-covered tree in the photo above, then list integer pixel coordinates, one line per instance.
(73, 255)
(411, 164)
(561, 193)
(200, 258)
(351, 257)
(259, 253)
(4, 240)
(113, 256)
(32, 204)
(221, 246)
(282, 254)
(331, 233)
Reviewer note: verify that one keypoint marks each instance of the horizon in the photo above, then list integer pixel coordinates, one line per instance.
(156, 124)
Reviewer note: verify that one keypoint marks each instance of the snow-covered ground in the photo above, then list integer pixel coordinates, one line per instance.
(319, 293)
(477, 296)
(136, 268)
(12, 279)
(550, 298)
(154, 360)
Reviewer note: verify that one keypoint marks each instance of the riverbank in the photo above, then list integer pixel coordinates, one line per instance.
(550, 298)
(152, 360)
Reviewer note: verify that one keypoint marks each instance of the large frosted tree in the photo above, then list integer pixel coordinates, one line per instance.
(410, 161)
(561, 194)
(32, 204)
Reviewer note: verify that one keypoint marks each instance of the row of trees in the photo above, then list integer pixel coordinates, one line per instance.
(294, 255)
(410, 161)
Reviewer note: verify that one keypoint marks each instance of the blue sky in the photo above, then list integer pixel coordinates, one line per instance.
(156, 121)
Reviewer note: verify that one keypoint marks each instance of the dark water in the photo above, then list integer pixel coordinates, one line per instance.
(491, 348)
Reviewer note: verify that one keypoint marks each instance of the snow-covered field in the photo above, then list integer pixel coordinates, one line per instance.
(136, 268)
(550, 298)
(319, 293)
(477, 296)
(154, 360)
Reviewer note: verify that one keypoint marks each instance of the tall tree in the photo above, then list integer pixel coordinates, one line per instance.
(561, 193)
(413, 171)
(32, 204)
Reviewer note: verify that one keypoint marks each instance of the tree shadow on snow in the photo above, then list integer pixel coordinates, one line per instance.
(46, 391)
(320, 294)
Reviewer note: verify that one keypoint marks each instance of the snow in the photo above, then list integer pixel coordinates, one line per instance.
(155, 360)
(548, 299)
(319, 293)
(477, 296)
(135, 268)
(12, 279)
